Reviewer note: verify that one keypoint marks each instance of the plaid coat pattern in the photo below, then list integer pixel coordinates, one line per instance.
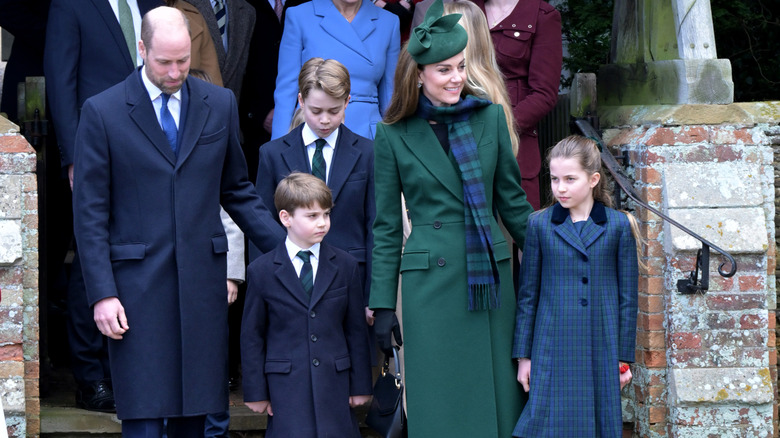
(576, 319)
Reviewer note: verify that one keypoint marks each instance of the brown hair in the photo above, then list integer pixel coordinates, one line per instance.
(406, 93)
(586, 152)
(327, 75)
(484, 76)
(300, 190)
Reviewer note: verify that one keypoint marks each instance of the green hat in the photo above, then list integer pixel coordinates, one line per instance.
(438, 37)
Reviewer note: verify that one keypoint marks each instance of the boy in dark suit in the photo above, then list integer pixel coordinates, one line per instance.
(325, 147)
(305, 355)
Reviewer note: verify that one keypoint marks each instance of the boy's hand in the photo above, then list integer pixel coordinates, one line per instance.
(232, 290)
(524, 373)
(625, 378)
(369, 316)
(260, 407)
(358, 400)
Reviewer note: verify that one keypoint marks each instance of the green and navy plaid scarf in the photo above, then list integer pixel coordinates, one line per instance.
(484, 283)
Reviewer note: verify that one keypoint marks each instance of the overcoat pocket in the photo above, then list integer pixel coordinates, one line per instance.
(128, 251)
(413, 260)
(278, 366)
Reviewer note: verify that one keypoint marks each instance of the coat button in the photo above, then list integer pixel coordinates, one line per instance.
(517, 34)
(315, 362)
(441, 261)
(313, 314)
(583, 302)
(314, 338)
(584, 280)
(436, 224)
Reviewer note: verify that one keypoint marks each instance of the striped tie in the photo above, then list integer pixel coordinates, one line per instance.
(318, 161)
(307, 276)
(219, 11)
(128, 28)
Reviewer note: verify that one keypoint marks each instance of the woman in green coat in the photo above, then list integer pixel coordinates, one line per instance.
(450, 155)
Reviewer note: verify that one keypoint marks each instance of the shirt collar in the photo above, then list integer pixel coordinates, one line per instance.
(152, 89)
(292, 249)
(310, 137)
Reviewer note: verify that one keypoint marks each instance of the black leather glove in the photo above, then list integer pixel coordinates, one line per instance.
(385, 326)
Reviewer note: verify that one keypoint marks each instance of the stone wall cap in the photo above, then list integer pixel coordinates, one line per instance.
(741, 113)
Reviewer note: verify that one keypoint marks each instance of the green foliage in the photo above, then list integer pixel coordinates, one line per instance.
(587, 25)
(747, 32)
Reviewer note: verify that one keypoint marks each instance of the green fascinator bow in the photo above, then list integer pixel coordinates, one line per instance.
(438, 37)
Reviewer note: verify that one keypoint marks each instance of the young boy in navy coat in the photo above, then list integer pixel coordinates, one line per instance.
(304, 344)
(325, 147)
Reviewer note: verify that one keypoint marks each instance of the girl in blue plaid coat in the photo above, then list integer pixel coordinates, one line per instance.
(577, 304)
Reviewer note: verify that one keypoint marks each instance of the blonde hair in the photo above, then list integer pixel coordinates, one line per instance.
(484, 76)
(406, 93)
(327, 75)
(301, 190)
(586, 152)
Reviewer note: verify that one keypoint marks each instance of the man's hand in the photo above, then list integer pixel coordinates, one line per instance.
(70, 176)
(524, 373)
(358, 400)
(369, 316)
(232, 289)
(110, 317)
(260, 407)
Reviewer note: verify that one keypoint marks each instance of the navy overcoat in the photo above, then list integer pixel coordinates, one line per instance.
(306, 356)
(350, 178)
(149, 232)
(576, 319)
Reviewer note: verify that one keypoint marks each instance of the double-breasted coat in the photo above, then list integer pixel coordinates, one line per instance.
(350, 178)
(307, 356)
(529, 54)
(149, 232)
(576, 319)
(368, 47)
(460, 377)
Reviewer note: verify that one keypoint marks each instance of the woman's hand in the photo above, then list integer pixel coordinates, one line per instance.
(524, 373)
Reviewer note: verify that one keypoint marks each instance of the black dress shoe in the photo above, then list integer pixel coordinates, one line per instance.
(96, 397)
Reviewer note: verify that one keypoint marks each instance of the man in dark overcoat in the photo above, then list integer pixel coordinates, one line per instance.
(156, 156)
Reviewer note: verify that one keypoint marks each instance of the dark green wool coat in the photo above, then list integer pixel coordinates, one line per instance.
(460, 376)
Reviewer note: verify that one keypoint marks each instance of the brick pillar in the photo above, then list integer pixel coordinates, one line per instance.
(705, 363)
(19, 283)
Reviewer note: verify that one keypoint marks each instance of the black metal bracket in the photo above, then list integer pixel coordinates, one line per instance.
(693, 284)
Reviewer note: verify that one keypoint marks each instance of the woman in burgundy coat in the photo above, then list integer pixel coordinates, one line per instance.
(527, 38)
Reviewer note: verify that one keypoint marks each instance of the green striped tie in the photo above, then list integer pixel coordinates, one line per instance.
(128, 29)
(318, 162)
(307, 276)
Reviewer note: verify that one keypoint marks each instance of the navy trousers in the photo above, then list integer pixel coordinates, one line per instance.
(177, 427)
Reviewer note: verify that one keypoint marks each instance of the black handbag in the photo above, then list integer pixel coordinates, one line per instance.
(386, 414)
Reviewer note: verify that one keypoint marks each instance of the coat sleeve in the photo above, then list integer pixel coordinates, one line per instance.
(290, 53)
(628, 278)
(528, 294)
(369, 206)
(544, 71)
(92, 204)
(509, 196)
(386, 83)
(235, 257)
(357, 337)
(388, 226)
(239, 197)
(253, 336)
(61, 65)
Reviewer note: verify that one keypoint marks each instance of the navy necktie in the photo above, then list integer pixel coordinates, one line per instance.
(168, 124)
(318, 161)
(307, 275)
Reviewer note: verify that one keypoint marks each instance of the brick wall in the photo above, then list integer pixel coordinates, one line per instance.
(706, 364)
(19, 283)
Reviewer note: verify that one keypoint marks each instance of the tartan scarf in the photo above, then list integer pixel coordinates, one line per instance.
(482, 270)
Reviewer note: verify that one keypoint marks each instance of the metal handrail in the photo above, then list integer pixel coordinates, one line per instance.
(686, 286)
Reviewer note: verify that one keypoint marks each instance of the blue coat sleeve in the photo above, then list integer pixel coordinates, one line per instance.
(628, 278)
(528, 295)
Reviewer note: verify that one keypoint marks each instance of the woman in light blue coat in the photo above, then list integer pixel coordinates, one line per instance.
(363, 37)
